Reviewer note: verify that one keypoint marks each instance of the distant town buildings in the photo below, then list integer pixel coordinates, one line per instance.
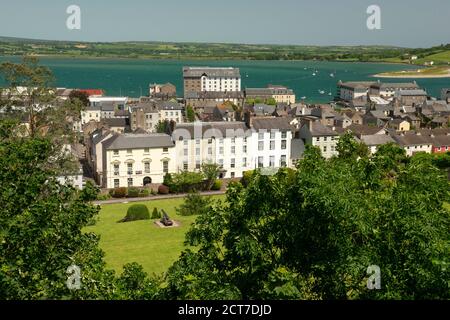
(207, 79)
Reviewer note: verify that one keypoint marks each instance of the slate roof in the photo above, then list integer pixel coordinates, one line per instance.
(279, 123)
(138, 141)
(216, 129)
(197, 72)
(377, 139)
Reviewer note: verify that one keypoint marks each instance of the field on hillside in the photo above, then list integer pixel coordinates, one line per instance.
(156, 249)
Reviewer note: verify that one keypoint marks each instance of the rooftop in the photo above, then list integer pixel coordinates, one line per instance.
(197, 72)
(138, 141)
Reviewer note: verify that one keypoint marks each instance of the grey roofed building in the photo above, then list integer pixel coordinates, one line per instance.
(116, 122)
(364, 130)
(138, 141)
(273, 123)
(270, 91)
(216, 129)
(414, 92)
(197, 72)
(395, 86)
(263, 109)
(317, 129)
(169, 105)
(377, 139)
(412, 139)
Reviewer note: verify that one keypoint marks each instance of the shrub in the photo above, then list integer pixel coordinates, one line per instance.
(217, 185)
(120, 192)
(156, 214)
(162, 189)
(104, 196)
(133, 192)
(247, 176)
(194, 204)
(144, 193)
(153, 192)
(137, 212)
(186, 181)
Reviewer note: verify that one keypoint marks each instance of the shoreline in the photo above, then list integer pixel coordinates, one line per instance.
(419, 74)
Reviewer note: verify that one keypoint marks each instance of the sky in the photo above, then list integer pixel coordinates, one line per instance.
(406, 23)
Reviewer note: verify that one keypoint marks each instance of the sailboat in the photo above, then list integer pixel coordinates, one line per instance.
(321, 91)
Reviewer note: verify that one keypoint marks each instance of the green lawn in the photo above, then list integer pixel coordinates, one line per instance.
(141, 241)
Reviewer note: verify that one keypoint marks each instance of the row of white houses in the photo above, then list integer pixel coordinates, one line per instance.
(126, 160)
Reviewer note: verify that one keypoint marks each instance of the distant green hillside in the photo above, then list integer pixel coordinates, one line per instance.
(155, 50)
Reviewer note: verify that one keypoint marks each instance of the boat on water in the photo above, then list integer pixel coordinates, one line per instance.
(321, 91)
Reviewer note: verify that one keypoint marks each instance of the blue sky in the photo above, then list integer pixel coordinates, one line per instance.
(409, 23)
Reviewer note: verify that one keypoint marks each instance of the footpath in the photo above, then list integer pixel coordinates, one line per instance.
(158, 197)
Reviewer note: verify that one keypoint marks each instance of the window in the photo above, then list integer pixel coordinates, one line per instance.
(209, 141)
(221, 141)
(325, 139)
(197, 151)
(261, 136)
(221, 150)
(233, 140)
(260, 145)
(130, 182)
(197, 141)
(185, 166)
(197, 164)
(233, 163)
(283, 161)
(130, 168)
(272, 161)
(325, 149)
(260, 162)
(244, 162)
(221, 163)
(210, 151)
(147, 167)
(245, 139)
(283, 144)
(116, 152)
(116, 169)
(166, 166)
(165, 150)
(232, 175)
(129, 151)
(284, 135)
(244, 149)
(272, 145)
(147, 150)
(233, 150)
(186, 151)
(186, 142)
(116, 183)
(272, 134)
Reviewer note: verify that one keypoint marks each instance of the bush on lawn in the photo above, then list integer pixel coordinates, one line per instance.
(120, 192)
(162, 189)
(144, 193)
(186, 181)
(247, 176)
(133, 192)
(156, 214)
(104, 196)
(137, 212)
(217, 185)
(194, 204)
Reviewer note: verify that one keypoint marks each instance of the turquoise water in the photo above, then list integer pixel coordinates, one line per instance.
(132, 77)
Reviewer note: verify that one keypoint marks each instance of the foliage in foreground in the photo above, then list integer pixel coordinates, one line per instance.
(312, 235)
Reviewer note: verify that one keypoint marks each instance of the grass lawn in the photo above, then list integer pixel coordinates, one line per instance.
(156, 249)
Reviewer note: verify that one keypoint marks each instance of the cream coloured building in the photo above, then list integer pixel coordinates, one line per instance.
(136, 160)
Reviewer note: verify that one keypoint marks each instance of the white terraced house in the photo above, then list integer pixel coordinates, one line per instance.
(136, 160)
(227, 144)
(271, 143)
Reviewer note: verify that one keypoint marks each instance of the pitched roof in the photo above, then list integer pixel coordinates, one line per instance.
(196, 72)
(138, 141)
(279, 123)
(376, 139)
(317, 129)
(411, 139)
(216, 129)
(364, 130)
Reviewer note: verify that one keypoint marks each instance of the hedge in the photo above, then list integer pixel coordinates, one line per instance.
(137, 212)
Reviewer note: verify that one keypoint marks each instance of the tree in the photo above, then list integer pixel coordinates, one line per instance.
(313, 233)
(81, 96)
(348, 147)
(190, 114)
(194, 204)
(211, 171)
